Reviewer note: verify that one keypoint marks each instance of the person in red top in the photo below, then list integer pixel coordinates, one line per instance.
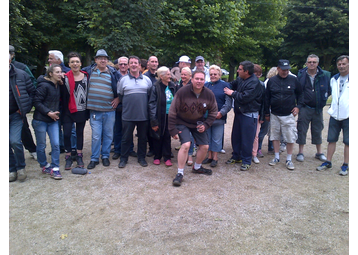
(74, 100)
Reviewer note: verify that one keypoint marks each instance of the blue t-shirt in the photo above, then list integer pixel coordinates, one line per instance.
(169, 98)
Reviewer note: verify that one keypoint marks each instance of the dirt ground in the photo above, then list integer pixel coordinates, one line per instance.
(136, 210)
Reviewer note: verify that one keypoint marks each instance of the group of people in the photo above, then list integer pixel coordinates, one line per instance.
(182, 103)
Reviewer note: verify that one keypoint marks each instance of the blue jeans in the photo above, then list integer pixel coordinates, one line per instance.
(102, 130)
(215, 135)
(16, 150)
(52, 130)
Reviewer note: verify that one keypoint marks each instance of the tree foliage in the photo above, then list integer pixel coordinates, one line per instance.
(318, 27)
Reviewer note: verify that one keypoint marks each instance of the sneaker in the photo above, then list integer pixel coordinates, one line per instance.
(21, 175)
(214, 163)
(194, 152)
(274, 162)
(321, 157)
(233, 161)
(80, 160)
(245, 167)
(222, 151)
(255, 160)
(68, 164)
(290, 165)
(12, 176)
(343, 172)
(168, 162)
(207, 161)
(46, 170)
(202, 170)
(55, 174)
(300, 157)
(324, 166)
(156, 162)
(142, 162)
(259, 154)
(178, 179)
(33, 155)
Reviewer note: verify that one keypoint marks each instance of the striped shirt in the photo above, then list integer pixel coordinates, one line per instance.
(100, 93)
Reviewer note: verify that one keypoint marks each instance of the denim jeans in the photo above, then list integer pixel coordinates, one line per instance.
(102, 130)
(16, 150)
(215, 135)
(52, 130)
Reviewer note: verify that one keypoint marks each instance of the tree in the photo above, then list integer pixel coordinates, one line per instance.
(318, 27)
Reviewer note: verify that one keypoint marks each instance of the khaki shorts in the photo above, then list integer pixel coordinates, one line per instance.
(285, 125)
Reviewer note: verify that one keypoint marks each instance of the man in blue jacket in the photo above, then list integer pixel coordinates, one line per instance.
(316, 89)
(102, 102)
(21, 93)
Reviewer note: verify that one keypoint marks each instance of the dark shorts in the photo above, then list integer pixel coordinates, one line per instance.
(334, 130)
(305, 117)
(184, 136)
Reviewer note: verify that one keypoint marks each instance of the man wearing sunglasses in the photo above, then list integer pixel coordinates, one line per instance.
(316, 89)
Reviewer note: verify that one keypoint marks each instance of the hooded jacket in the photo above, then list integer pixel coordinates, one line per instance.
(339, 109)
(47, 99)
(22, 89)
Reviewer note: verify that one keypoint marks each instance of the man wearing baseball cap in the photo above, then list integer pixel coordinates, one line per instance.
(183, 62)
(200, 66)
(285, 98)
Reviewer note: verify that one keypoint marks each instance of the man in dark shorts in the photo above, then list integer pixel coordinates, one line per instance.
(194, 110)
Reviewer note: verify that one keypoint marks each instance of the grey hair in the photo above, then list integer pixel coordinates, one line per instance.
(342, 57)
(58, 54)
(162, 71)
(217, 68)
(313, 56)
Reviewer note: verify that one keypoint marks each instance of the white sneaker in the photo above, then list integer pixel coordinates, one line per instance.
(289, 165)
(255, 160)
(223, 151)
(33, 155)
(274, 162)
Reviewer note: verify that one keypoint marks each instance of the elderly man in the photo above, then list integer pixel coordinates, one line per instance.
(200, 66)
(316, 89)
(285, 98)
(134, 90)
(339, 112)
(56, 57)
(123, 65)
(183, 120)
(102, 102)
(183, 62)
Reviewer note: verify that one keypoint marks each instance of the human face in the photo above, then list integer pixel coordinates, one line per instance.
(123, 65)
(166, 77)
(243, 74)
(312, 64)
(75, 64)
(343, 66)
(199, 65)
(56, 76)
(101, 63)
(134, 66)
(214, 75)
(153, 63)
(185, 76)
(282, 73)
(183, 64)
(198, 82)
(52, 60)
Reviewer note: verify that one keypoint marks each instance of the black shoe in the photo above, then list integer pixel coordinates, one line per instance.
(116, 155)
(178, 179)
(150, 154)
(202, 170)
(214, 163)
(207, 161)
(142, 162)
(112, 150)
(92, 164)
(122, 164)
(74, 155)
(105, 162)
(133, 154)
(171, 155)
(233, 161)
(68, 164)
(80, 160)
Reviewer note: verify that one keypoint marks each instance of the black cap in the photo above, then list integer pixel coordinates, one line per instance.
(284, 64)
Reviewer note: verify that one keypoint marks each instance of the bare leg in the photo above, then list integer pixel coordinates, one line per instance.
(300, 148)
(201, 154)
(276, 145)
(215, 155)
(289, 148)
(346, 154)
(330, 151)
(183, 154)
(319, 148)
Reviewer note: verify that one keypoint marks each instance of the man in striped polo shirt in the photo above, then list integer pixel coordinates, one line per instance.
(102, 102)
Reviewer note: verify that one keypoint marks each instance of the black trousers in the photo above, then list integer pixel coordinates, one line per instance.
(127, 138)
(26, 137)
(67, 132)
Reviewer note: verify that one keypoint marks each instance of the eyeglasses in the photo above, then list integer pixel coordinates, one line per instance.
(122, 64)
(312, 62)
